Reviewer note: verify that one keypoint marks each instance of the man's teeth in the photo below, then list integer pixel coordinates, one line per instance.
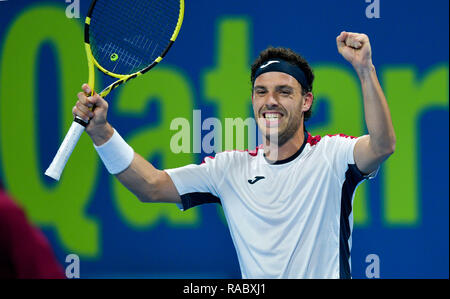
(272, 116)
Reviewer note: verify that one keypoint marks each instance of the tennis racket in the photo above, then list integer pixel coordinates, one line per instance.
(123, 39)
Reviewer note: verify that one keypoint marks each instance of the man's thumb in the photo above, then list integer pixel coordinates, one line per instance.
(97, 100)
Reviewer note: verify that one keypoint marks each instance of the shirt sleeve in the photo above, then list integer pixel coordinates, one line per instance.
(197, 184)
(340, 154)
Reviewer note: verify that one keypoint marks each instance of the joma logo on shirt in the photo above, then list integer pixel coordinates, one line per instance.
(257, 178)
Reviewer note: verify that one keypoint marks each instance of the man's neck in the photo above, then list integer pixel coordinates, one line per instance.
(274, 153)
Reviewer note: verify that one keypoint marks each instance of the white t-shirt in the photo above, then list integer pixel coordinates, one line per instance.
(291, 219)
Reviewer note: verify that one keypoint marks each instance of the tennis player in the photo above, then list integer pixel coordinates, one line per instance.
(288, 204)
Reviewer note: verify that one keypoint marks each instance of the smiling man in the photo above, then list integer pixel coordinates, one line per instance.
(288, 204)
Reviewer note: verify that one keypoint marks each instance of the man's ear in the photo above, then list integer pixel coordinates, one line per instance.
(308, 101)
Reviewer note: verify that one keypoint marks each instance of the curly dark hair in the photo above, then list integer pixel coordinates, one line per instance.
(291, 57)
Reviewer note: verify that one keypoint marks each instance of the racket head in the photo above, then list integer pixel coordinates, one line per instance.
(125, 39)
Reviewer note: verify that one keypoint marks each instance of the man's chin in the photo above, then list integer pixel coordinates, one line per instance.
(277, 137)
(272, 136)
(271, 129)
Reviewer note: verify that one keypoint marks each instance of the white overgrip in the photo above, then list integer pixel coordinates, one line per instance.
(65, 150)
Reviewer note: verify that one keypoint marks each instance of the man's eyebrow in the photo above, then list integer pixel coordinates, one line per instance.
(260, 87)
(277, 88)
(284, 87)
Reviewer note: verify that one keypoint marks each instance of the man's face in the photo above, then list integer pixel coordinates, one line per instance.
(278, 105)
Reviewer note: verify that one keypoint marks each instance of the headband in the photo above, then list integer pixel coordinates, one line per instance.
(280, 65)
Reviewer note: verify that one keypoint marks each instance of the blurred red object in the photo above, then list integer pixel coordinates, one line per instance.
(24, 250)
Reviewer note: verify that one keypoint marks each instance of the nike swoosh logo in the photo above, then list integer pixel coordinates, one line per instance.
(268, 63)
(257, 178)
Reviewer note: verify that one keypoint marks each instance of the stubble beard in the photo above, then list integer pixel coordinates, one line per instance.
(280, 138)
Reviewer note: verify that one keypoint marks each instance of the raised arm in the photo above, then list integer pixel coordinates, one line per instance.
(370, 150)
(138, 175)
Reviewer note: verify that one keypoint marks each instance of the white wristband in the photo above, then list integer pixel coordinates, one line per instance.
(116, 154)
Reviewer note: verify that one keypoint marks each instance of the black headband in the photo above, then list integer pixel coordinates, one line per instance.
(280, 65)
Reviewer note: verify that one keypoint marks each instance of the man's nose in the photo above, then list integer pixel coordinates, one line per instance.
(271, 101)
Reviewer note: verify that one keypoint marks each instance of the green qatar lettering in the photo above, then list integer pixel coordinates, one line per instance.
(60, 207)
(339, 88)
(173, 92)
(227, 84)
(409, 97)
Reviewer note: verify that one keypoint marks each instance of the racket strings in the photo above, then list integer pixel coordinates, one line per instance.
(138, 42)
(127, 36)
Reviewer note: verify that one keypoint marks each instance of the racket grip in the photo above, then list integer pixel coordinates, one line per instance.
(65, 150)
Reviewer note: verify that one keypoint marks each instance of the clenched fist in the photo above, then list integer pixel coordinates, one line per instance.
(355, 48)
(98, 127)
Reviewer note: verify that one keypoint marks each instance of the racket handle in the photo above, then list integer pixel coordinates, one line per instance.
(65, 150)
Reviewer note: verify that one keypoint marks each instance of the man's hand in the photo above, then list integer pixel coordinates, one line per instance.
(98, 128)
(355, 48)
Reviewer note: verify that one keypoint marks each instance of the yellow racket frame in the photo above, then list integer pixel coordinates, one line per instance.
(122, 78)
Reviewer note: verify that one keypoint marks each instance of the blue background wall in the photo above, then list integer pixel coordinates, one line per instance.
(402, 216)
